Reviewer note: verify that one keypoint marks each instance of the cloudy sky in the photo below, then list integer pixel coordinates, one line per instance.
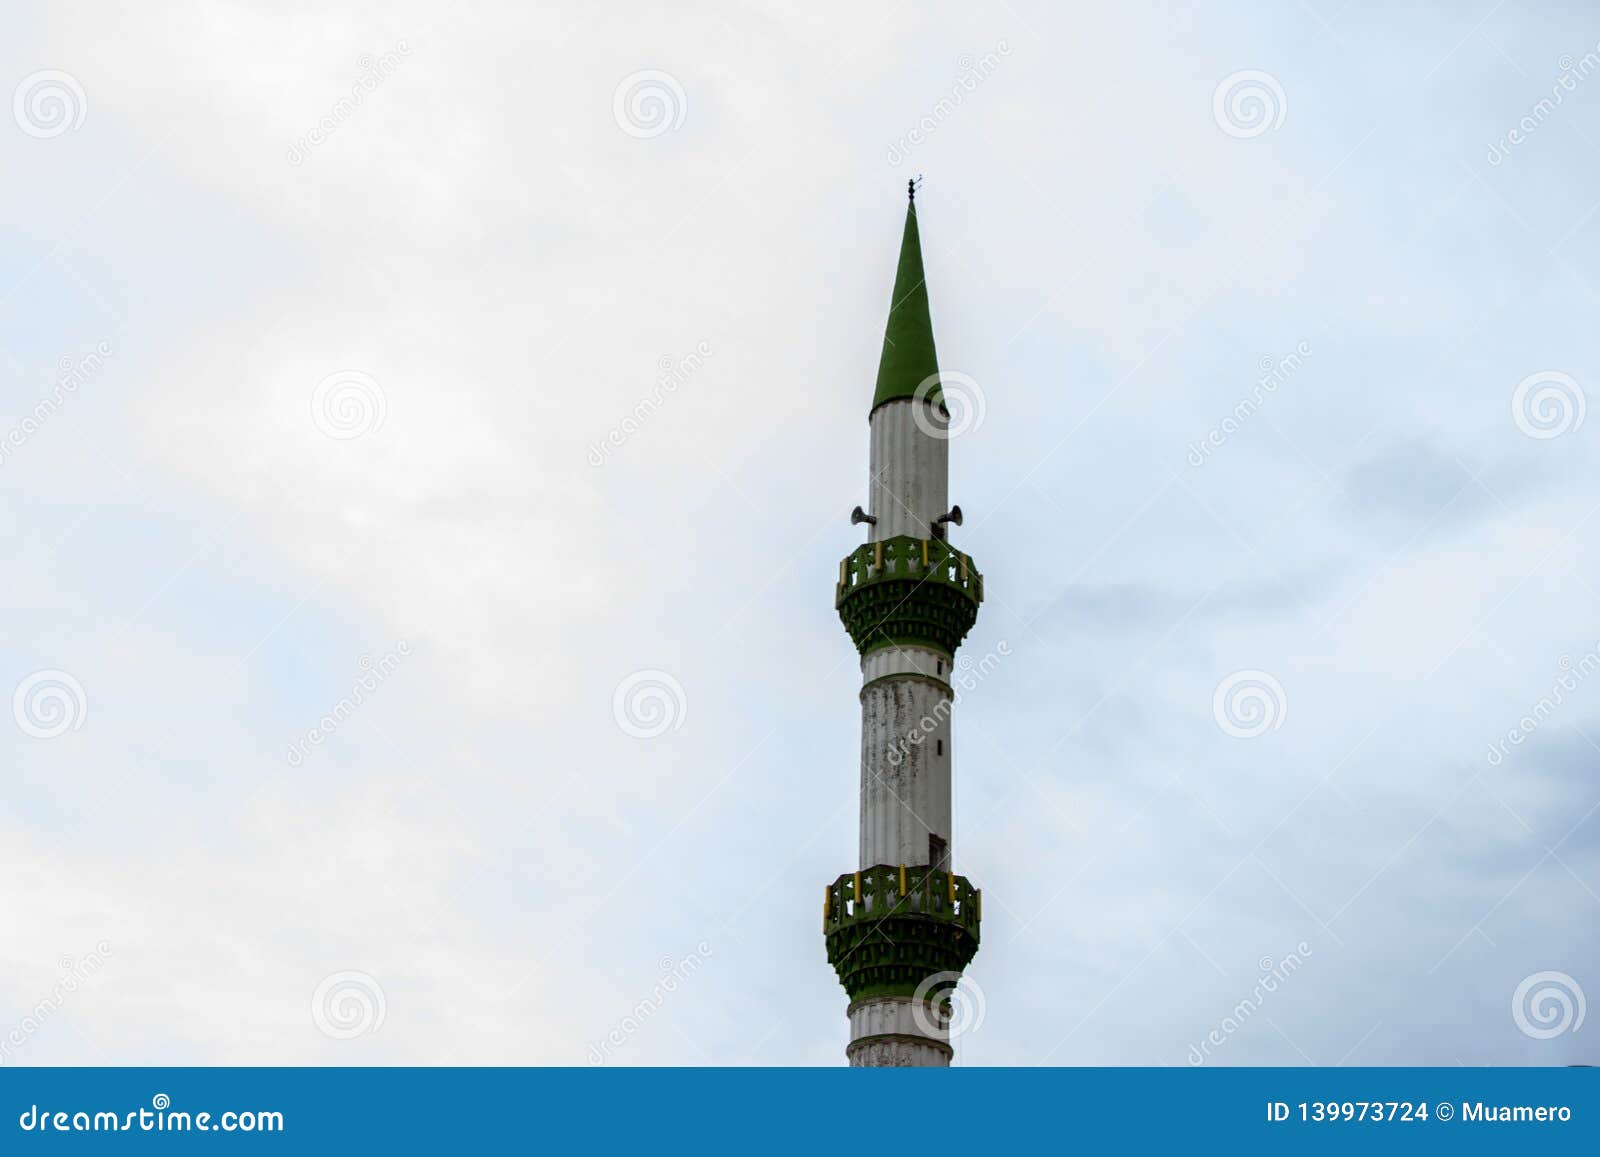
(503, 374)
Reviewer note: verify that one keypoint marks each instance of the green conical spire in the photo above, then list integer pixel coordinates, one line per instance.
(908, 354)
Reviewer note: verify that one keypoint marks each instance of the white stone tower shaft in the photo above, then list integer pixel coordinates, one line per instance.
(905, 692)
(905, 725)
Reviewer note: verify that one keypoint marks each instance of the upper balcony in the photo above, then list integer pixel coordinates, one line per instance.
(907, 590)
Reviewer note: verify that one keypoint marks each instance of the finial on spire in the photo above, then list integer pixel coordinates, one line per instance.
(911, 187)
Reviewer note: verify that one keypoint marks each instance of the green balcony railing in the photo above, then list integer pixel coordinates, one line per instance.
(874, 893)
(890, 928)
(920, 559)
(908, 590)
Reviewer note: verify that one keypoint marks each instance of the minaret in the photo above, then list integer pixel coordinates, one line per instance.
(901, 928)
